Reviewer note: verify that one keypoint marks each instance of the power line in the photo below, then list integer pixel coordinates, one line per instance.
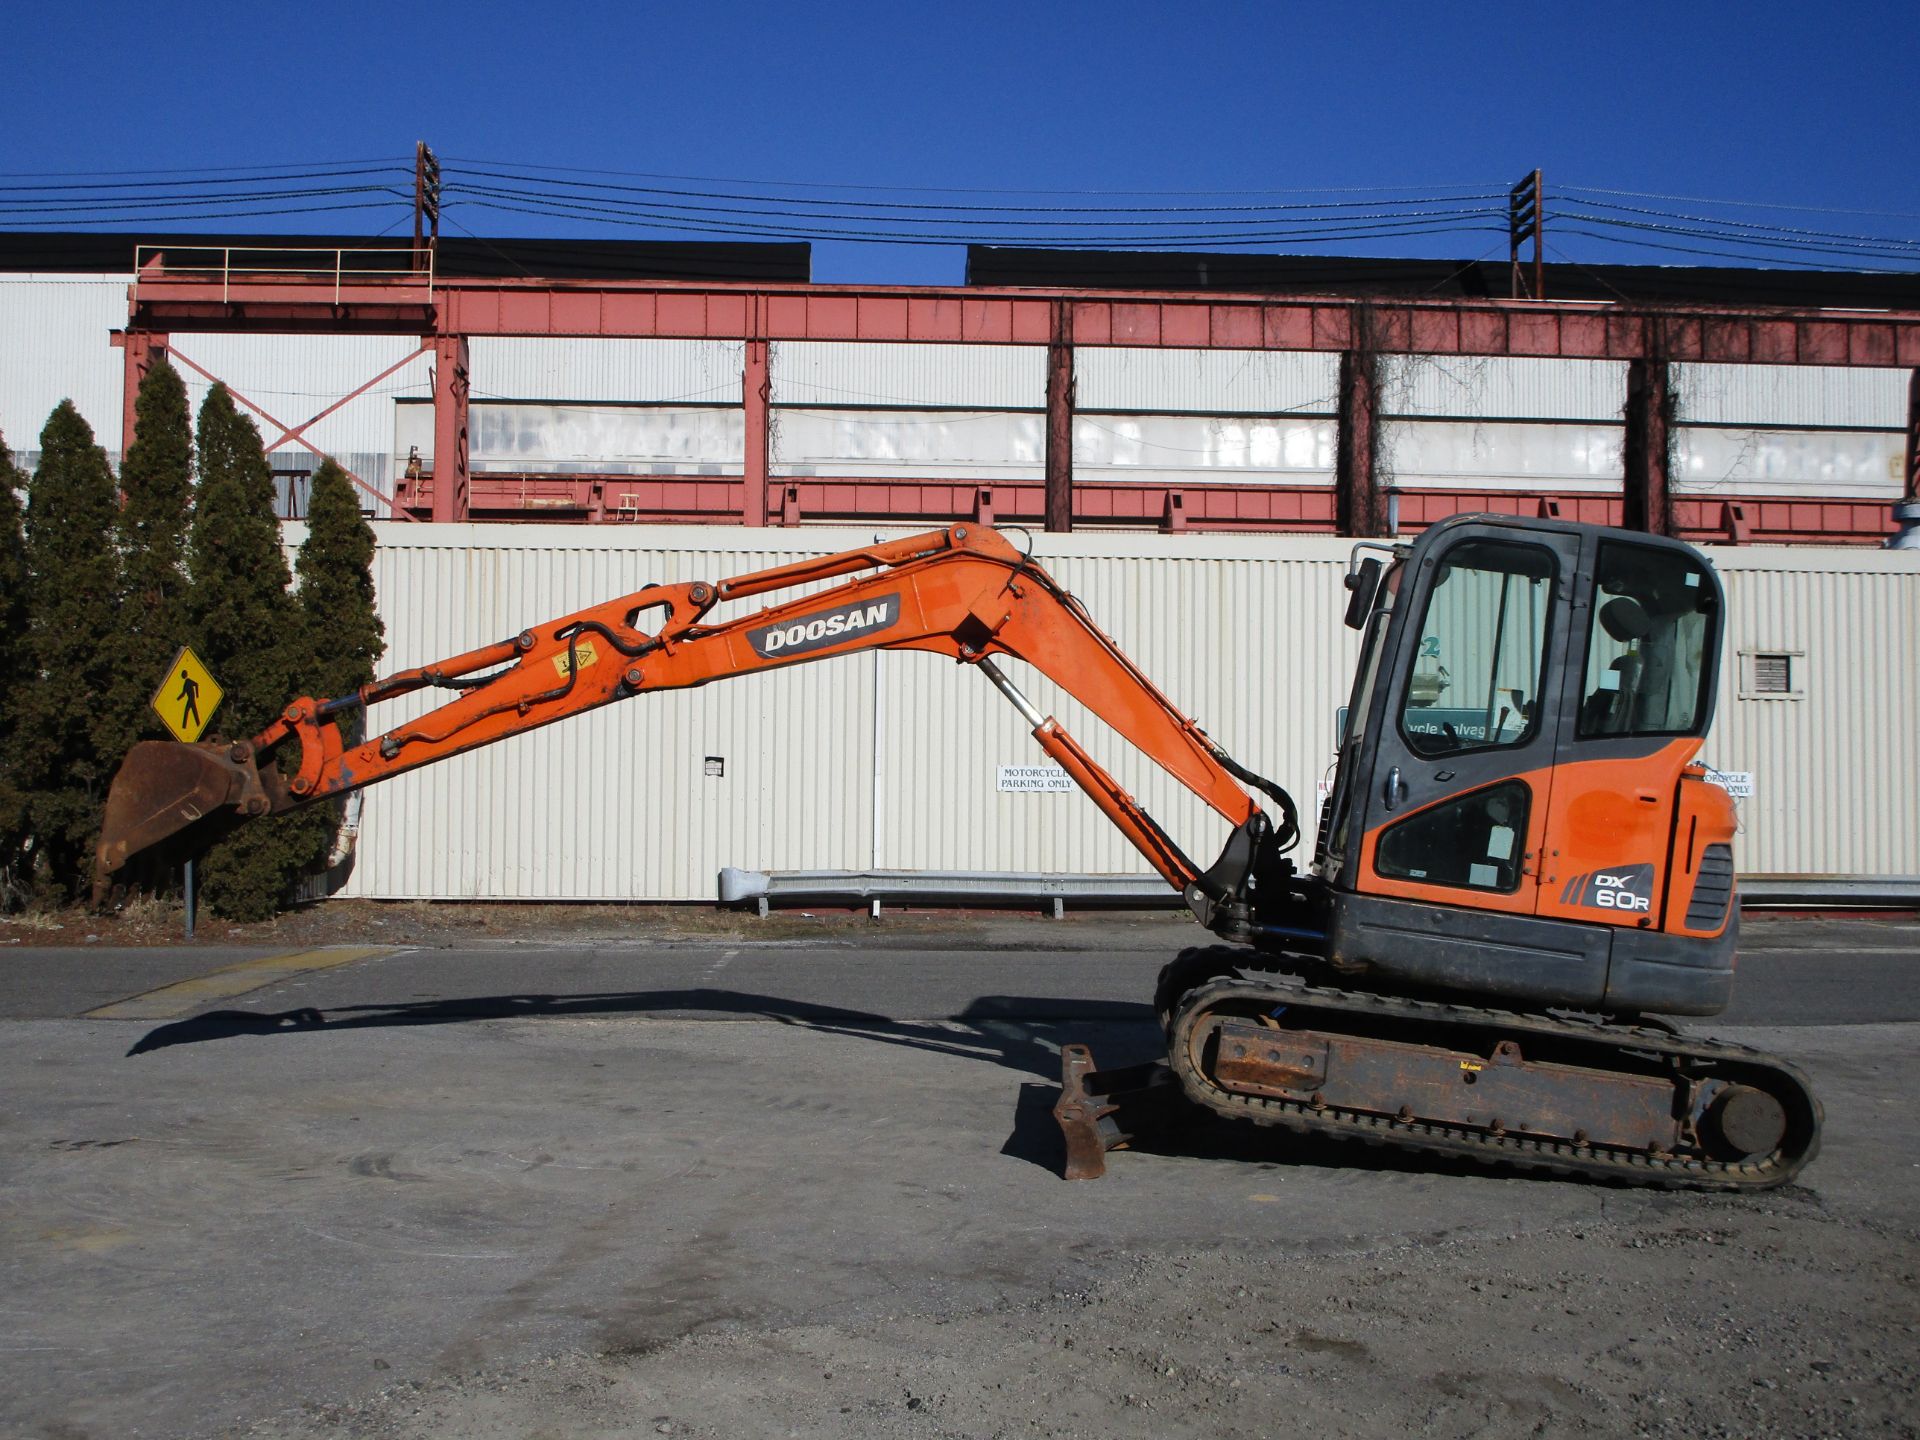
(1724, 254)
(56, 207)
(1742, 204)
(982, 209)
(606, 205)
(186, 170)
(1743, 227)
(237, 180)
(668, 218)
(202, 215)
(938, 189)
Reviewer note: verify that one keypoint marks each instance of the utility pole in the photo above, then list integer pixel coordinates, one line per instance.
(426, 202)
(1526, 220)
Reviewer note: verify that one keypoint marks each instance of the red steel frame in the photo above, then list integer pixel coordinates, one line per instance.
(448, 312)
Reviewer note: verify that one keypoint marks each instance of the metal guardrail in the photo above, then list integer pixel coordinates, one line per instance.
(874, 888)
(1895, 892)
(254, 264)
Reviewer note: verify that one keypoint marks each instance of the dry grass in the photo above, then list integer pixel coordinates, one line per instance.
(35, 921)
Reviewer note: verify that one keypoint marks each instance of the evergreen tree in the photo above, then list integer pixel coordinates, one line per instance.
(156, 484)
(13, 672)
(248, 629)
(64, 741)
(336, 587)
(345, 637)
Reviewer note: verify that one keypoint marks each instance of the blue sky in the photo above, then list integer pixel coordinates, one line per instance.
(1793, 105)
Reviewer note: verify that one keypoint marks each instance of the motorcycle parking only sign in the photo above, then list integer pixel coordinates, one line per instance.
(1737, 783)
(1035, 780)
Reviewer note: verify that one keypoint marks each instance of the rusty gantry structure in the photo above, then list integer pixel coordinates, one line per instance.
(181, 289)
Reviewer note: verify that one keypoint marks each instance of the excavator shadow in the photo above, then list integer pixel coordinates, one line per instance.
(1018, 1033)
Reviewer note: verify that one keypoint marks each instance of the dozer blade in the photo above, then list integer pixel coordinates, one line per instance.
(162, 788)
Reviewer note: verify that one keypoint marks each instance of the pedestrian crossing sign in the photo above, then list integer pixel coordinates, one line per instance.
(188, 696)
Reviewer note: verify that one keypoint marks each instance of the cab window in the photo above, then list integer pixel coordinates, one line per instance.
(1476, 842)
(1474, 679)
(1647, 645)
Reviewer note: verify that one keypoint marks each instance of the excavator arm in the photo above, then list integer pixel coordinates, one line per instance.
(964, 592)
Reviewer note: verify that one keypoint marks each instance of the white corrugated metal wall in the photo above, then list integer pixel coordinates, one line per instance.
(55, 344)
(1835, 763)
(891, 761)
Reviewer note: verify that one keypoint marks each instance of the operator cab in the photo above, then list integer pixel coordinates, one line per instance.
(1517, 812)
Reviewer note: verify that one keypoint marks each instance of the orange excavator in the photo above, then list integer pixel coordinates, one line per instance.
(1521, 867)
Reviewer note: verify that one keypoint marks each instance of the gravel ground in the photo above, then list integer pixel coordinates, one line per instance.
(1731, 1317)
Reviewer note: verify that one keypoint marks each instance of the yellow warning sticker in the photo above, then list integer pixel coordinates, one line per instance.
(188, 696)
(584, 649)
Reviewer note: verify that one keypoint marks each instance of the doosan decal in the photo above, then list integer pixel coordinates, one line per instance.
(828, 628)
(1623, 887)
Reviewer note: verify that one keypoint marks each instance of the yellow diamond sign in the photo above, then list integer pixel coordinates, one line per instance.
(188, 696)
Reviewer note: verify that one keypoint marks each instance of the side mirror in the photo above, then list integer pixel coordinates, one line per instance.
(1364, 583)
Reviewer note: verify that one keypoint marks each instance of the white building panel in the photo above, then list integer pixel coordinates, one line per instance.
(1831, 464)
(1203, 449)
(1832, 764)
(1503, 388)
(1204, 382)
(1495, 455)
(934, 444)
(996, 445)
(1850, 397)
(971, 377)
(653, 372)
(55, 344)
(521, 439)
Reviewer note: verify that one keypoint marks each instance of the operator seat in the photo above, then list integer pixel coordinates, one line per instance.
(1609, 709)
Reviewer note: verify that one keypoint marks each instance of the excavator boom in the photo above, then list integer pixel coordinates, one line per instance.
(962, 592)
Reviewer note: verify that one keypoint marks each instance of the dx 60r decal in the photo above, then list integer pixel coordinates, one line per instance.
(1626, 887)
(829, 627)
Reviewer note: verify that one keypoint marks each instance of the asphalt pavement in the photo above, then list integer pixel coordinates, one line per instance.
(239, 1184)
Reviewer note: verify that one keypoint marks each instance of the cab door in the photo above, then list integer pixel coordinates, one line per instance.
(1457, 794)
(1636, 703)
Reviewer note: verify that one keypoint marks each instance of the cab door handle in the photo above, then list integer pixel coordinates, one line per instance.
(1393, 792)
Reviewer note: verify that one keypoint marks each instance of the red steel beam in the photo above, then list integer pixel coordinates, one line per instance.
(1294, 509)
(139, 349)
(642, 309)
(354, 394)
(1913, 436)
(756, 395)
(1647, 486)
(1059, 457)
(451, 384)
(1358, 502)
(295, 434)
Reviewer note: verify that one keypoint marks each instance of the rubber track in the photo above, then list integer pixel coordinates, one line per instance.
(1557, 1157)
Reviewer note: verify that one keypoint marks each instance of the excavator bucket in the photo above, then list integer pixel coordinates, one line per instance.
(161, 789)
